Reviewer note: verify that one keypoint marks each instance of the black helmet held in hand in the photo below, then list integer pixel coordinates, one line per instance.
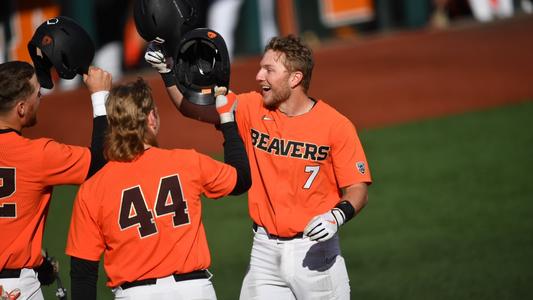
(63, 44)
(165, 21)
(201, 63)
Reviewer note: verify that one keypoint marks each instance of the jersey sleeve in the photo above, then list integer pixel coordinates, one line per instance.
(246, 103)
(218, 178)
(85, 239)
(64, 164)
(349, 159)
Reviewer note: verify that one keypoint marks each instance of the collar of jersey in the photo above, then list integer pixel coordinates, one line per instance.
(8, 130)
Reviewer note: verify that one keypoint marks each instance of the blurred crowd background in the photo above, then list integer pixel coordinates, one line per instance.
(246, 25)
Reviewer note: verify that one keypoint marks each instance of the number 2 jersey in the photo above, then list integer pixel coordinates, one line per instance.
(145, 215)
(29, 168)
(298, 164)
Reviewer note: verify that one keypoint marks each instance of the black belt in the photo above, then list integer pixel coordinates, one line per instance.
(177, 277)
(10, 273)
(299, 235)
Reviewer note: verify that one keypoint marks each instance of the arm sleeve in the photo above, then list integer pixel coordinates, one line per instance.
(235, 155)
(349, 159)
(85, 238)
(97, 145)
(83, 278)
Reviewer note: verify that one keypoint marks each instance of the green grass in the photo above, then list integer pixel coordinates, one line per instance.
(450, 214)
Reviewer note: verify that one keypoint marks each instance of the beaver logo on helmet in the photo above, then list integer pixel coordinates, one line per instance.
(64, 45)
(202, 62)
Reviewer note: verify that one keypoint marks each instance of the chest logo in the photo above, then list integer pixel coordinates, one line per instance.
(289, 148)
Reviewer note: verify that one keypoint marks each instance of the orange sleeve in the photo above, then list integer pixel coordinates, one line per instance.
(64, 164)
(85, 239)
(246, 102)
(349, 159)
(219, 178)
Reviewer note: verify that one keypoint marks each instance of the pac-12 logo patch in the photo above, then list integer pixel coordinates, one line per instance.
(361, 167)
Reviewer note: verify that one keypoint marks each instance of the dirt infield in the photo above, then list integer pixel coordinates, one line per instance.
(375, 81)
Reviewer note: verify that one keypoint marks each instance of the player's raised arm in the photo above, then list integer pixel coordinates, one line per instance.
(98, 83)
(234, 151)
(191, 71)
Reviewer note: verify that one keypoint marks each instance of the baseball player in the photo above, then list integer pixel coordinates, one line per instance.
(309, 177)
(143, 212)
(29, 168)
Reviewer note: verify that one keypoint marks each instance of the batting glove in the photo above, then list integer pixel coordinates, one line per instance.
(225, 104)
(323, 227)
(156, 58)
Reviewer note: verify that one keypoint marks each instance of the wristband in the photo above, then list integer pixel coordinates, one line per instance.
(98, 99)
(347, 209)
(168, 79)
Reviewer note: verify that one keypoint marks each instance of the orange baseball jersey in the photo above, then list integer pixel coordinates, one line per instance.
(28, 171)
(298, 164)
(145, 215)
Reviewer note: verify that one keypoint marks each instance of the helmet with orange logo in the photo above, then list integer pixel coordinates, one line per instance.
(201, 63)
(61, 43)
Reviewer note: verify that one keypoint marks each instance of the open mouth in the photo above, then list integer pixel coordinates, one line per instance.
(265, 88)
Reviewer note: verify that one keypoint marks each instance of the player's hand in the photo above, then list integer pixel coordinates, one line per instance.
(225, 104)
(323, 227)
(13, 295)
(156, 57)
(46, 272)
(97, 80)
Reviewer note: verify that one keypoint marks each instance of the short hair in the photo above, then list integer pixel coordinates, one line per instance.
(128, 107)
(298, 56)
(15, 83)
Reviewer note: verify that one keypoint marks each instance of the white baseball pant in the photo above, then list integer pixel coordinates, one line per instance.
(27, 283)
(295, 269)
(167, 288)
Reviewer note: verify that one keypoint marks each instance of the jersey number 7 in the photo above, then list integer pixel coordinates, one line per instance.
(134, 211)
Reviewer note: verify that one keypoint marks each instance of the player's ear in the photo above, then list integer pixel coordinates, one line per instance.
(21, 109)
(295, 78)
(153, 121)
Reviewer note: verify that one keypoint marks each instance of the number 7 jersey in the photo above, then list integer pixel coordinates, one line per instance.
(298, 164)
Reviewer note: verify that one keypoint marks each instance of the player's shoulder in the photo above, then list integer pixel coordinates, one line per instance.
(249, 99)
(178, 155)
(327, 111)
(252, 95)
(41, 146)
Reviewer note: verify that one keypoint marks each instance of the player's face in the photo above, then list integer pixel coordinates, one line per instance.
(273, 79)
(31, 105)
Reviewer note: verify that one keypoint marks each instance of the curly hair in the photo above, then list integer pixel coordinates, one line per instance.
(15, 83)
(128, 107)
(298, 56)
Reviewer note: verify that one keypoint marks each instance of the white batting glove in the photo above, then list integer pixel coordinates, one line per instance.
(323, 227)
(225, 104)
(156, 58)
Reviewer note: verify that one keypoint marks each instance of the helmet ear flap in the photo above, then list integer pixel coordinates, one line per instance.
(62, 44)
(42, 67)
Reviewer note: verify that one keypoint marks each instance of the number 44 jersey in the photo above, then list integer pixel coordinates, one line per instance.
(145, 215)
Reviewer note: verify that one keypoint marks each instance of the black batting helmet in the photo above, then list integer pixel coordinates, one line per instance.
(63, 44)
(201, 63)
(165, 21)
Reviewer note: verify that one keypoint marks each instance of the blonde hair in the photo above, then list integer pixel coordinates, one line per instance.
(298, 56)
(128, 107)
